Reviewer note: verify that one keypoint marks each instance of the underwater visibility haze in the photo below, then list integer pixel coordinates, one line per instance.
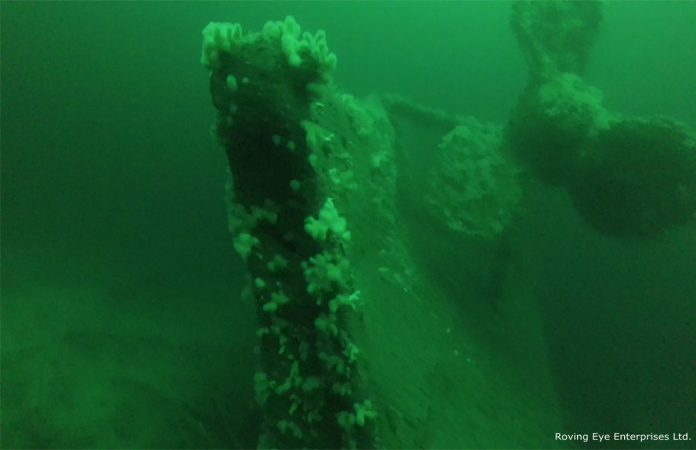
(348, 224)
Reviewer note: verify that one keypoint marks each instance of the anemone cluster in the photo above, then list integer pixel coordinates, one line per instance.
(289, 231)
